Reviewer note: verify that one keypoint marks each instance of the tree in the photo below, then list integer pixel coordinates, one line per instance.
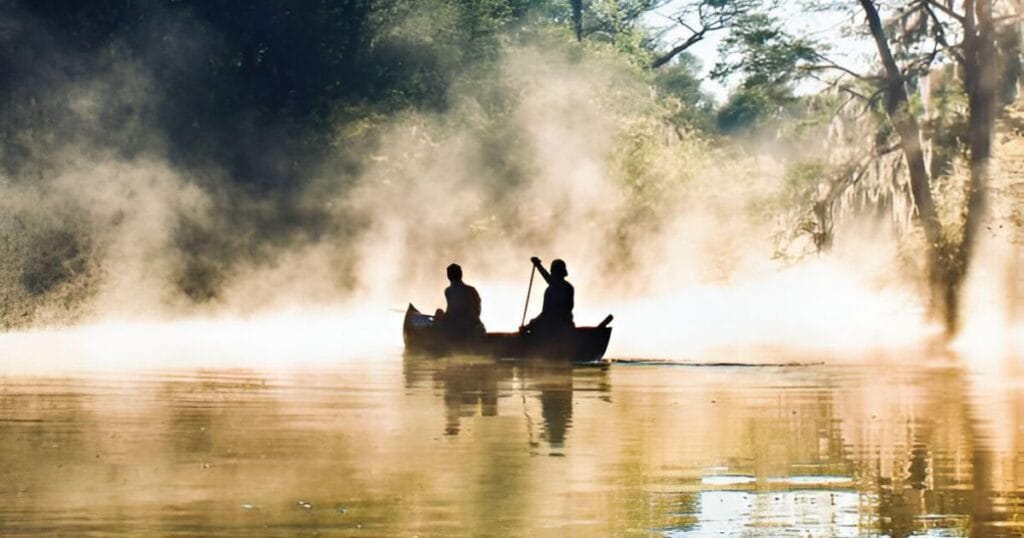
(611, 20)
(769, 60)
(920, 39)
(682, 81)
(577, 18)
(978, 56)
(701, 17)
(243, 97)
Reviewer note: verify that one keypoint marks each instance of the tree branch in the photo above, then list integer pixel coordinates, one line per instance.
(896, 103)
(829, 64)
(923, 65)
(940, 34)
(947, 11)
(855, 93)
(840, 108)
(690, 41)
(679, 20)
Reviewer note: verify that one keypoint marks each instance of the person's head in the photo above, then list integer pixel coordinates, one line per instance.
(454, 273)
(558, 269)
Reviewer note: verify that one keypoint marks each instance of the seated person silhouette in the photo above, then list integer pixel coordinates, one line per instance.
(556, 315)
(461, 321)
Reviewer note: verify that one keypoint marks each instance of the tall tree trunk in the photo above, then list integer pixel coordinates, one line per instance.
(897, 108)
(577, 18)
(981, 70)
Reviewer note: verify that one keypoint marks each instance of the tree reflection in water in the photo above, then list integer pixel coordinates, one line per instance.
(458, 446)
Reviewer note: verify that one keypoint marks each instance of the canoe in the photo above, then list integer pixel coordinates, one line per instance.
(580, 344)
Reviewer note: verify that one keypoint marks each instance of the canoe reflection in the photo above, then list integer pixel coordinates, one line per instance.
(647, 450)
(473, 386)
(468, 388)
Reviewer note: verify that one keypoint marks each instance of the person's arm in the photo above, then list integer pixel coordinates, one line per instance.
(543, 272)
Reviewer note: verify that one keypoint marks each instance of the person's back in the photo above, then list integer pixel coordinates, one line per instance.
(461, 319)
(558, 303)
(463, 302)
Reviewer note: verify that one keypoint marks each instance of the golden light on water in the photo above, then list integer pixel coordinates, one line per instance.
(203, 289)
(357, 437)
(299, 338)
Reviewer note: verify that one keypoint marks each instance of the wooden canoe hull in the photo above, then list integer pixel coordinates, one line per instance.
(580, 344)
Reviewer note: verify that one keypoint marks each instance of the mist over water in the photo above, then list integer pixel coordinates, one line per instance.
(122, 237)
(207, 246)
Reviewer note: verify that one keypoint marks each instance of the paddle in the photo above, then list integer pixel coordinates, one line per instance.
(528, 290)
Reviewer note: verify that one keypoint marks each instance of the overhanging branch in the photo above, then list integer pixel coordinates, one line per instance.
(678, 49)
(945, 10)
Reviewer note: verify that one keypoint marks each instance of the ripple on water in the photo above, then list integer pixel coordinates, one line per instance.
(402, 447)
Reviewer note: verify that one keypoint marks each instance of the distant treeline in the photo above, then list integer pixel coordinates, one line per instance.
(251, 101)
(254, 86)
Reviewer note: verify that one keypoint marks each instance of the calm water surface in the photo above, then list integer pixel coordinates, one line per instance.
(464, 447)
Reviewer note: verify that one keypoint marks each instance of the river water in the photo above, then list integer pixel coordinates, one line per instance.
(393, 446)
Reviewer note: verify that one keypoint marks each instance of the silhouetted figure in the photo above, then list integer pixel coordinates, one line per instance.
(918, 469)
(556, 392)
(556, 314)
(461, 321)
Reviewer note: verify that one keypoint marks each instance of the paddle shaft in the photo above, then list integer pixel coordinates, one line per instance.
(528, 290)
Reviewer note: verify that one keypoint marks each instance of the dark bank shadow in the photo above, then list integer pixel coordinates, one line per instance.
(472, 387)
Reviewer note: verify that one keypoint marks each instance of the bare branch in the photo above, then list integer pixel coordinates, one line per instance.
(684, 24)
(837, 85)
(947, 11)
(940, 34)
(922, 65)
(867, 100)
(854, 93)
(833, 83)
(841, 107)
(676, 50)
(701, 17)
(829, 64)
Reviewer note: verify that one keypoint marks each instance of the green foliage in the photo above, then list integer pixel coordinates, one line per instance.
(945, 124)
(750, 108)
(763, 52)
(269, 93)
(680, 81)
(800, 183)
(619, 23)
(768, 61)
(794, 212)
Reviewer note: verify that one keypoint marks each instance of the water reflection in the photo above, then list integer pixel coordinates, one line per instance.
(470, 387)
(463, 446)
